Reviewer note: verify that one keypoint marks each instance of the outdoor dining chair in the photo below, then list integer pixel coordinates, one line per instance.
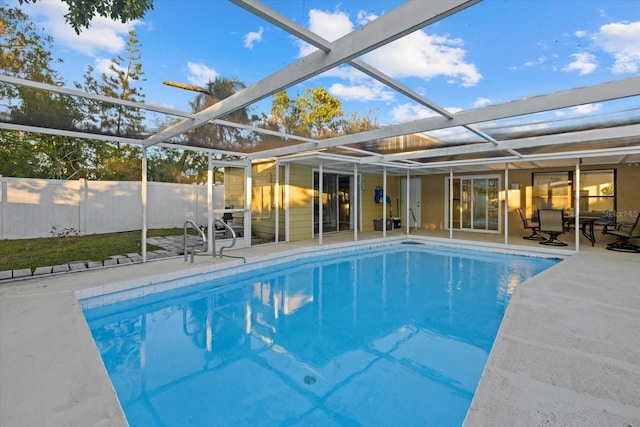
(534, 226)
(624, 232)
(552, 223)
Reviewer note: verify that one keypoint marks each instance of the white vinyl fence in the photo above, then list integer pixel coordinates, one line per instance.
(31, 208)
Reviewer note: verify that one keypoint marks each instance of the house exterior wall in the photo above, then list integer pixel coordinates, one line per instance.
(300, 202)
(433, 194)
(371, 210)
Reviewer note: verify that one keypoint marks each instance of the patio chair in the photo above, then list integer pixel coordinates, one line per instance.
(607, 220)
(552, 223)
(624, 232)
(534, 226)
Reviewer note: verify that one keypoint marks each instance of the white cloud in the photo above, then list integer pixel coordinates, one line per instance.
(359, 87)
(539, 61)
(621, 41)
(368, 91)
(425, 56)
(365, 17)
(102, 66)
(578, 110)
(251, 37)
(200, 74)
(415, 55)
(584, 63)
(330, 26)
(104, 35)
(482, 102)
(409, 112)
(586, 108)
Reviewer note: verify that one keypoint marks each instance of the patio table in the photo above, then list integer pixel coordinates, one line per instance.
(586, 226)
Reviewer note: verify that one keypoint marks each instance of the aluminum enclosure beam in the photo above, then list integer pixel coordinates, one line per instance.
(321, 43)
(570, 98)
(103, 98)
(399, 22)
(520, 143)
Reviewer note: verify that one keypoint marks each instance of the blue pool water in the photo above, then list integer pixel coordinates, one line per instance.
(394, 336)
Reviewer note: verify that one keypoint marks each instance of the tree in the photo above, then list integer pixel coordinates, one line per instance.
(26, 54)
(114, 160)
(175, 165)
(121, 83)
(82, 12)
(17, 155)
(213, 135)
(315, 114)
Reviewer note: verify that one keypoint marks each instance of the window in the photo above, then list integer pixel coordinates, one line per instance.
(555, 190)
(552, 190)
(597, 190)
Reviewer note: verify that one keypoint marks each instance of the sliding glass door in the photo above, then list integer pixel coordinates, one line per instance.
(475, 203)
(336, 202)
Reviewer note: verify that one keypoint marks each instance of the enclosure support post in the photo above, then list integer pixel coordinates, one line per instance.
(506, 203)
(276, 189)
(451, 203)
(286, 202)
(248, 194)
(355, 198)
(576, 208)
(210, 178)
(143, 244)
(320, 197)
(384, 201)
(407, 202)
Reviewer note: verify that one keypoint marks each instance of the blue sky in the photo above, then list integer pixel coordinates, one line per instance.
(492, 52)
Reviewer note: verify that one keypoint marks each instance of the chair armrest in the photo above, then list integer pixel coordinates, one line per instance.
(624, 226)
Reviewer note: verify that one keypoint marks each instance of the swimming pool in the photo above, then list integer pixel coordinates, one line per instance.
(391, 336)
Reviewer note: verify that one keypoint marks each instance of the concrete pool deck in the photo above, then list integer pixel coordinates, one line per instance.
(567, 353)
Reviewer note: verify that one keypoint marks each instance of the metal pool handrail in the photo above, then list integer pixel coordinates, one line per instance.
(184, 238)
(233, 242)
(415, 221)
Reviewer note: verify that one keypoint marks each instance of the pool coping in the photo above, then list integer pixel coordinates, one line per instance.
(118, 291)
(52, 374)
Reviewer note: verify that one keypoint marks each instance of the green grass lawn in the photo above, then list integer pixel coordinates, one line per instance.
(32, 253)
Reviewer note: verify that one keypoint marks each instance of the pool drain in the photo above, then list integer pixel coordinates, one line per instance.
(309, 380)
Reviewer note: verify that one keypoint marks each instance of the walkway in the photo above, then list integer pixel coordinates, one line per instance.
(171, 246)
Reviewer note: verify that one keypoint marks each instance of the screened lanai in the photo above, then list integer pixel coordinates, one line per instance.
(504, 138)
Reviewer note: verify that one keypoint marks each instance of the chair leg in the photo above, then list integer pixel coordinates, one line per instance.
(534, 235)
(623, 245)
(553, 240)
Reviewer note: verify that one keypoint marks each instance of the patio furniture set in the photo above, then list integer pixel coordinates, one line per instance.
(554, 222)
